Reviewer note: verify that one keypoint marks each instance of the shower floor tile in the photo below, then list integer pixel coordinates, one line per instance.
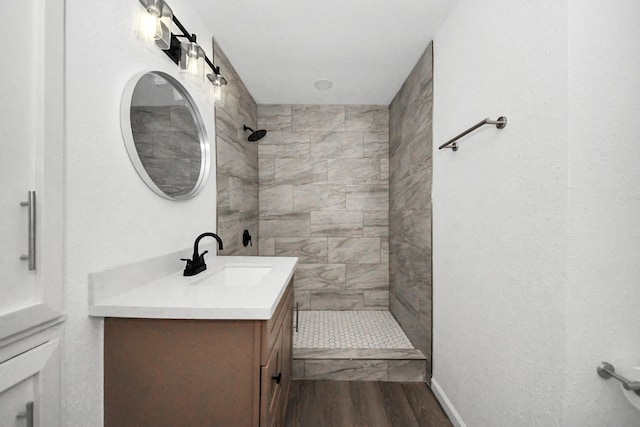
(349, 330)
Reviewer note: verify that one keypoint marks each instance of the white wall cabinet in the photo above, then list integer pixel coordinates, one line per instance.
(30, 372)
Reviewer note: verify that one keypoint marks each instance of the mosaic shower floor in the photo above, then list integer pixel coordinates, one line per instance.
(349, 330)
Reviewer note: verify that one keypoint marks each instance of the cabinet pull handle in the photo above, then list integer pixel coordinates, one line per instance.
(297, 317)
(28, 414)
(31, 204)
(277, 378)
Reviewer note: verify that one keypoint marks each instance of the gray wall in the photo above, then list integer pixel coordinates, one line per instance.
(324, 197)
(237, 163)
(410, 162)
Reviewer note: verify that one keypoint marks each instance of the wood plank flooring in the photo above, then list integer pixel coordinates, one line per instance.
(323, 403)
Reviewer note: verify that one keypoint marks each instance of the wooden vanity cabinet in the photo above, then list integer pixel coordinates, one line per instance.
(164, 372)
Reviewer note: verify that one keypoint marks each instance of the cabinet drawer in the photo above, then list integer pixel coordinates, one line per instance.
(271, 327)
(271, 382)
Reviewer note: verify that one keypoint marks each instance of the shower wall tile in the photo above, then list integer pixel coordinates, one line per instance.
(285, 144)
(302, 299)
(267, 247)
(266, 171)
(354, 250)
(284, 225)
(308, 250)
(376, 144)
(369, 277)
(337, 300)
(274, 117)
(318, 118)
(354, 171)
(409, 171)
(336, 145)
(237, 164)
(318, 197)
(296, 171)
(276, 198)
(336, 223)
(324, 197)
(313, 277)
(376, 299)
(367, 118)
(367, 197)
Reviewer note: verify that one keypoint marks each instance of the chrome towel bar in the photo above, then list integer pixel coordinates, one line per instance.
(452, 143)
(606, 371)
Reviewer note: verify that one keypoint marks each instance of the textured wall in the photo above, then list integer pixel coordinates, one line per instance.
(237, 161)
(111, 216)
(324, 197)
(604, 209)
(500, 212)
(410, 148)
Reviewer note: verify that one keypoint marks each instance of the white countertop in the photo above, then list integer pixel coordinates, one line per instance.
(174, 296)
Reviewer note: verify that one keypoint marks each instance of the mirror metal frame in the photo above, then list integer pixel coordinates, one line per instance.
(127, 134)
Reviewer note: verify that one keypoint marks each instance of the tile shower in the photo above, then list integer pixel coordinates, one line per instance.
(326, 195)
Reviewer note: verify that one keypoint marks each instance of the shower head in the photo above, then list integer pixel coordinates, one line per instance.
(255, 135)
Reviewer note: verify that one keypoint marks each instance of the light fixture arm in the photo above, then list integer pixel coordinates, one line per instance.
(174, 51)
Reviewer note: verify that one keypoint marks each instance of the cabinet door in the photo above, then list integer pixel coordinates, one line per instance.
(31, 120)
(32, 376)
(271, 386)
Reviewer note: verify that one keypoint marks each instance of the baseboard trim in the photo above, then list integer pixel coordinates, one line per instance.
(453, 415)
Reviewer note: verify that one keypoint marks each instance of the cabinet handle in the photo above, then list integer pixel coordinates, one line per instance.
(277, 378)
(31, 204)
(297, 313)
(28, 414)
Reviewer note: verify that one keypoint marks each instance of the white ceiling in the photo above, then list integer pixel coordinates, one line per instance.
(366, 47)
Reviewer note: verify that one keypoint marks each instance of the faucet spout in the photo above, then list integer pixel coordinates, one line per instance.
(196, 264)
(203, 235)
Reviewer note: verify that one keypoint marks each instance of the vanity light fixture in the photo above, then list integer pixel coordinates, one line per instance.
(192, 60)
(155, 23)
(218, 89)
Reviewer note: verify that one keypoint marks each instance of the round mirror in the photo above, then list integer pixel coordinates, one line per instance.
(165, 135)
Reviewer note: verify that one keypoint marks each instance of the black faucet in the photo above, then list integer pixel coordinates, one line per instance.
(197, 265)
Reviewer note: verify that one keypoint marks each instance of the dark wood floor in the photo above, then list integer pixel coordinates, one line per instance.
(363, 403)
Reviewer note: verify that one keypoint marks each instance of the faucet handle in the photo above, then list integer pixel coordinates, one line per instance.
(202, 254)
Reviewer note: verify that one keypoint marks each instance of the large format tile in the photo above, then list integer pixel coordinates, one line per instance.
(376, 300)
(313, 277)
(354, 250)
(354, 171)
(336, 223)
(367, 276)
(308, 250)
(274, 117)
(407, 370)
(336, 145)
(318, 197)
(285, 144)
(284, 225)
(319, 118)
(368, 197)
(346, 370)
(296, 171)
(376, 144)
(367, 118)
(337, 300)
(276, 199)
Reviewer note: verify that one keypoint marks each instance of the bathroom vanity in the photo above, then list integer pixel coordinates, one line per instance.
(210, 350)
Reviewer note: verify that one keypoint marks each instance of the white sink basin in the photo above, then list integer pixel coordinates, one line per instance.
(236, 276)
